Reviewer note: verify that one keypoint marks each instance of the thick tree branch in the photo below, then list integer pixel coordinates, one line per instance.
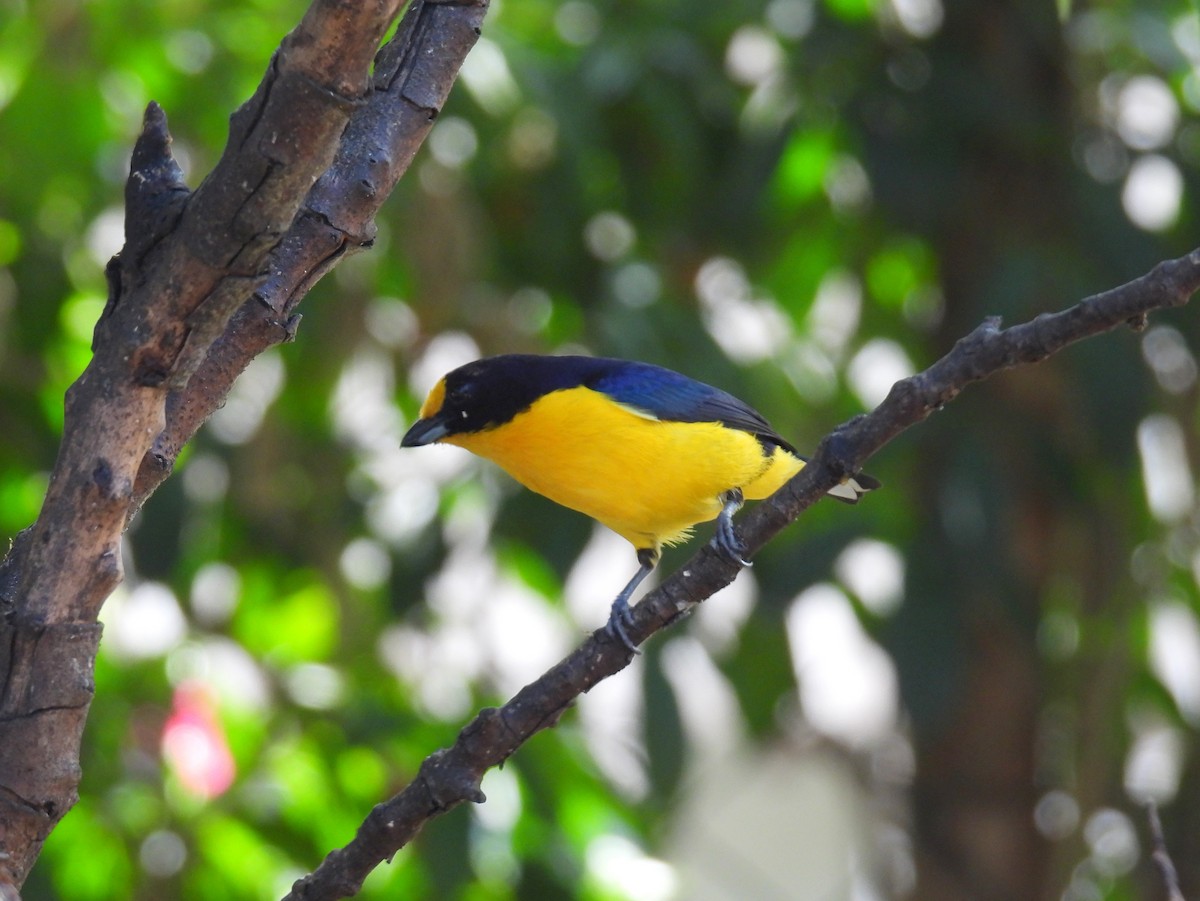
(453, 775)
(413, 76)
(189, 261)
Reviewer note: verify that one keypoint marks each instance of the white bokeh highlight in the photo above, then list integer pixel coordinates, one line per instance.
(848, 684)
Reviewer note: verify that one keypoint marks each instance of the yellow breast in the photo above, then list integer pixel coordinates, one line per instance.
(648, 480)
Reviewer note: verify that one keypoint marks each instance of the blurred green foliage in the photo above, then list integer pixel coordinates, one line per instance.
(798, 200)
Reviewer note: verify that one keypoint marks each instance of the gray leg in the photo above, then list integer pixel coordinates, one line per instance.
(621, 612)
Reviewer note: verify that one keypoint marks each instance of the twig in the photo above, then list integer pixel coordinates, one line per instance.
(1161, 855)
(453, 775)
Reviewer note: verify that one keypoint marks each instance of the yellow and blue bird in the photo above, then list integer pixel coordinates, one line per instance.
(642, 449)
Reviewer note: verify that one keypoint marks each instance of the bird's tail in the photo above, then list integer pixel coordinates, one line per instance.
(854, 487)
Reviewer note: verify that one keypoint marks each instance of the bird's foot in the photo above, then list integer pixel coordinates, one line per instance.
(726, 540)
(620, 617)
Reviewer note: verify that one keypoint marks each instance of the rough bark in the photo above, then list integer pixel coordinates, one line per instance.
(205, 281)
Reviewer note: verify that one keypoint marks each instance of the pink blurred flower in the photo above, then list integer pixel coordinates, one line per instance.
(193, 742)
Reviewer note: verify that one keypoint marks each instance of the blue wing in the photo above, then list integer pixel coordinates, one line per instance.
(667, 395)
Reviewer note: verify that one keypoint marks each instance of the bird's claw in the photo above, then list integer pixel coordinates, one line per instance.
(727, 543)
(726, 540)
(620, 617)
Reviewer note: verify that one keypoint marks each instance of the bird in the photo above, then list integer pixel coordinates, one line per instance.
(644, 450)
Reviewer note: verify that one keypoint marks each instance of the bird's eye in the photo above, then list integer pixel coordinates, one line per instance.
(459, 394)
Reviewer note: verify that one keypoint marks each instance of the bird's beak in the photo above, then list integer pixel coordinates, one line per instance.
(425, 431)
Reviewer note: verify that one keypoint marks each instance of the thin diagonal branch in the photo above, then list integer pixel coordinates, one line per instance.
(453, 775)
(984, 352)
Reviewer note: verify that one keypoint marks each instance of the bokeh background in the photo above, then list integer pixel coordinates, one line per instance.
(966, 687)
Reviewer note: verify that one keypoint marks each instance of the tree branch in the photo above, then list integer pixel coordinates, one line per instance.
(453, 775)
(413, 76)
(189, 261)
(1161, 854)
(985, 351)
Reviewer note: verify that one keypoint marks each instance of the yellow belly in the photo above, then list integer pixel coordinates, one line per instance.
(648, 480)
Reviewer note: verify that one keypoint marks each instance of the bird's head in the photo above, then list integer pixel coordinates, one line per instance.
(456, 404)
(487, 393)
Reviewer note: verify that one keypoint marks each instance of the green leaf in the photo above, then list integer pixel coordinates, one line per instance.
(104, 870)
(800, 175)
(287, 624)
